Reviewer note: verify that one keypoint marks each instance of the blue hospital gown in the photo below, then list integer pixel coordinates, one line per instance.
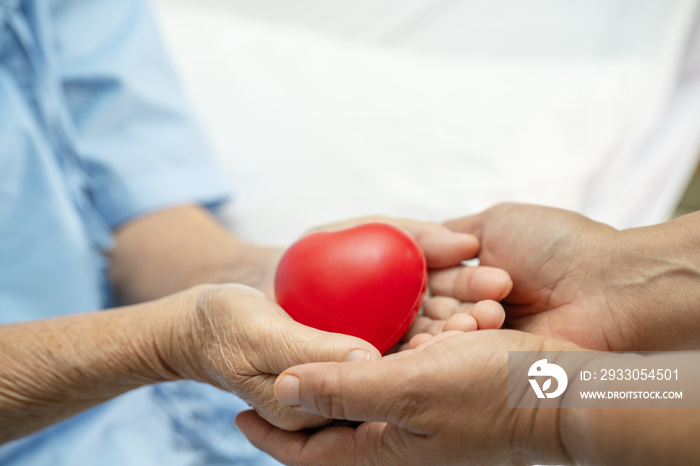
(94, 131)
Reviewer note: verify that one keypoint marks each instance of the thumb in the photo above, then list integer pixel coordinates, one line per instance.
(442, 246)
(472, 224)
(272, 341)
(295, 343)
(379, 390)
(475, 224)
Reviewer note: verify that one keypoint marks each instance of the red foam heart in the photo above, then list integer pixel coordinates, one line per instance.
(367, 281)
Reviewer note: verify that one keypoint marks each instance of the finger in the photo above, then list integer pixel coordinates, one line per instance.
(488, 314)
(444, 307)
(423, 324)
(472, 224)
(414, 342)
(477, 223)
(291, 343)
(450, 314)
(259, 392)
(442, 247)
(402, 348)
(461, 322)
(356, 391)
(471, 284)
(338, 445)
(284, 446)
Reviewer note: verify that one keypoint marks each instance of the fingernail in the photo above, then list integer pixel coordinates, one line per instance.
(359, 355)
(287, 390)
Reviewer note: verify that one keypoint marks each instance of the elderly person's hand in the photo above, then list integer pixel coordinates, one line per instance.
(230, 336)
(239, 340)
(444, 402)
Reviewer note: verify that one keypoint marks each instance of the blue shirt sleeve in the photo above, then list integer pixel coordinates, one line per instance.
(135, 134)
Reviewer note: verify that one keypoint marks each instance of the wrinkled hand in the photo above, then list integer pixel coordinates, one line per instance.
(561, 265)
(464, 299)
(444, 402)
(237, 339)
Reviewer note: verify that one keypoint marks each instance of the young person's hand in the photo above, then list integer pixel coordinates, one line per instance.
(443, 402)
(588, 283)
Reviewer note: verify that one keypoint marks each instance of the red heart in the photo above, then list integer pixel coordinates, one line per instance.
(367, 281)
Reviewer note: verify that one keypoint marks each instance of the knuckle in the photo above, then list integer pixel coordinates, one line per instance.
(330, 403)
